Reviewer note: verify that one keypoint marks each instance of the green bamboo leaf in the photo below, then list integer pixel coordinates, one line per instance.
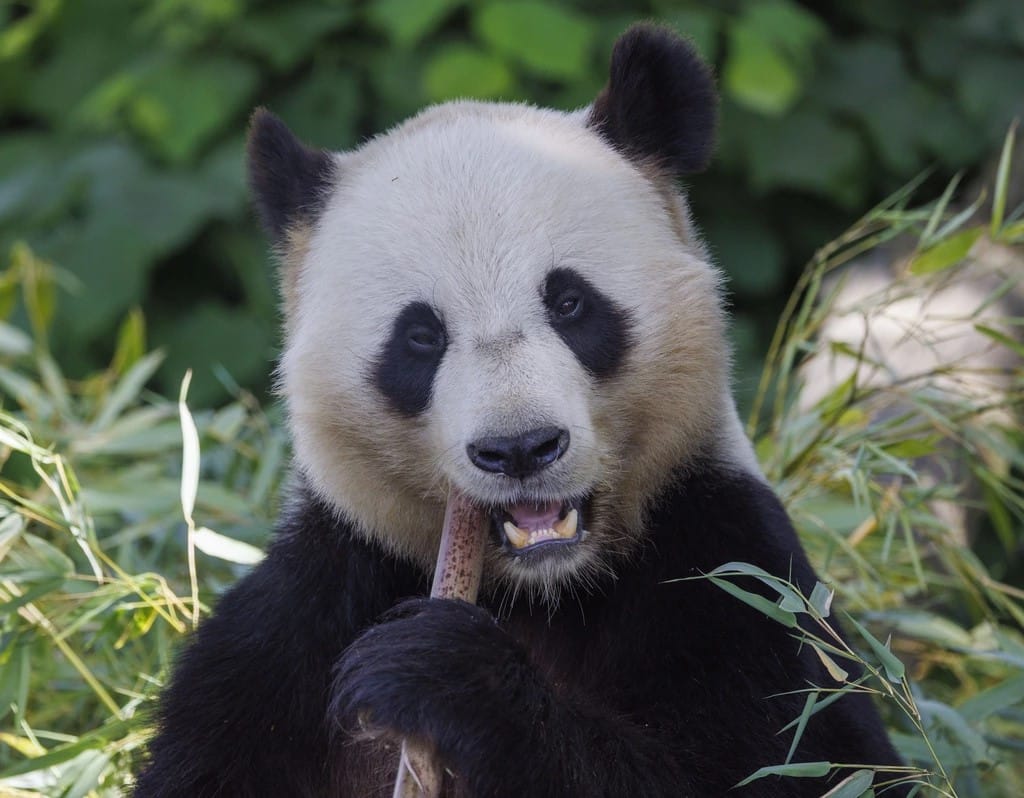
(995, 699)
(96, 738)
(790, 599)
(26, 393)
(894, 669)
(960, 730)
(939, 210)
(821, 599)
(1001, 337)
(1002, 182)
(127, 389)
(759, 603)
(856, 785)
(85, 771)
(946, 253)
(814, 770)
(131, 342)
(801, 724)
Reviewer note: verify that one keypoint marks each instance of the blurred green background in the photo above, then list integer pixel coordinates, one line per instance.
(122, 126)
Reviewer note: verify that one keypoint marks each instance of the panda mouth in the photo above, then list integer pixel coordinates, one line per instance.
(530, 526)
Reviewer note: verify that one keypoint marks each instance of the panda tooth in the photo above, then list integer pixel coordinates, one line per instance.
(516, 536)
(566, 528)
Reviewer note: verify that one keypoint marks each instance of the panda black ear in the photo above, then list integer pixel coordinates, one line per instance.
(288, 180)
(660, 103)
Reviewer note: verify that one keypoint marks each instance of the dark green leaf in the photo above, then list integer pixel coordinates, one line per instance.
(406, 22)
(286, 34)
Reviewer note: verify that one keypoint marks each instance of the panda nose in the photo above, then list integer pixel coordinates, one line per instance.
(520, 455)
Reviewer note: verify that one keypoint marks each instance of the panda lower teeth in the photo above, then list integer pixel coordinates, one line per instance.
(523, 538)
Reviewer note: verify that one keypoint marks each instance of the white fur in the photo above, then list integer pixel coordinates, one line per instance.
(467, 207)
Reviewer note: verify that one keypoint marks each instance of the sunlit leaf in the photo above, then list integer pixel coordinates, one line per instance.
(464, 71)
(225, 548)
(757, 74)
(550, 40)
(946, 253)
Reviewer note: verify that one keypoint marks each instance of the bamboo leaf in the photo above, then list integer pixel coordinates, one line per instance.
(894, 669)
(814, 770)
(225, 548)
(946, 253)
(759, 603)
(856, 785)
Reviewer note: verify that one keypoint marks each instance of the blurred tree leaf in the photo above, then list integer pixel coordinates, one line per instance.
(700, 25)
(995, 20)
(83, 55)
(757, 74)
(20, 33)
(747, 247)
(209, 335)
(549, 40)
(856, 76)
(177, 106)
(807, 151)
(770, 46)
(131, 216)
(324, 108)
(459, 70)
(406, 22)
(284, 35)
(399, 97)
(983, 88)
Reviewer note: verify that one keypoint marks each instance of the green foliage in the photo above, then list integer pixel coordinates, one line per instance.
(93, 565)
(868, 474)
(122, 126)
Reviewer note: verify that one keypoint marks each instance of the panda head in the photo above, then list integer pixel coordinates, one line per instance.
(508, 300)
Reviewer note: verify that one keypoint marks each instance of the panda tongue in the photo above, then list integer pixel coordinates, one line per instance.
(532, 516)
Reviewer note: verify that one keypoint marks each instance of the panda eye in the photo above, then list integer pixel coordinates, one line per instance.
(568, 305)
(425, 340)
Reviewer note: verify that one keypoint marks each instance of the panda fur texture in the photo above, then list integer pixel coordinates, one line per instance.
(513, 301)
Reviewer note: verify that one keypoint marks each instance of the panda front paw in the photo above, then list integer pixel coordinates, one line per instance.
(440, 670)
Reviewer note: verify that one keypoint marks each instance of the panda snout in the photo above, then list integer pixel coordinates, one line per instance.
(522, 455)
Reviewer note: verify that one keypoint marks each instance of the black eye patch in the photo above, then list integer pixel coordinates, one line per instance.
(405, 368)
(596, 329)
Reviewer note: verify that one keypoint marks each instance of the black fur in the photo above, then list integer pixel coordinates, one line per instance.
(404, 370)
(645, 687)
(598, 332)
(660, 104)
(288, 180)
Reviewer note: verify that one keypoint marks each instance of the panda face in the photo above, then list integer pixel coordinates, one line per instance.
(508, 300)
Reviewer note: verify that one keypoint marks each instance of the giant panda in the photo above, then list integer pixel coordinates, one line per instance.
(513, 302)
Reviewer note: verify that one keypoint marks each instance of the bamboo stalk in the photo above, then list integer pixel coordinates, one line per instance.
(457, 575)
